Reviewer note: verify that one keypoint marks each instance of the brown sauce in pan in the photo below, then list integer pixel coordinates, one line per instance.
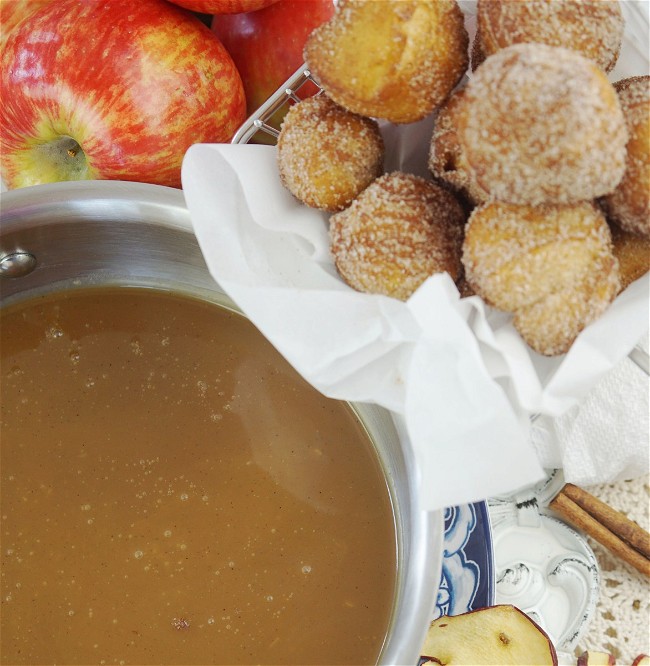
(174, 493)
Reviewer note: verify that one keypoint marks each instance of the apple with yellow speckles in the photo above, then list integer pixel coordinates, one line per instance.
(112, 89)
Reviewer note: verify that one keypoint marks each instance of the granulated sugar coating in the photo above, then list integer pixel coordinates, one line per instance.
(594, 28)
(633, 254)
(551, 324)
(552, 266)
(629, 204)
(326, 154)
(542, 124)
(397, 233)
(447, 162)
(396, 59)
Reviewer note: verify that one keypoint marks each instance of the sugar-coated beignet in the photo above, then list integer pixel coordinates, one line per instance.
(594, 28)
(552, 266)
(551, 325)
(447, 162)
(629, 204)
(398, 232)
(633, 254)
(326, 154)
(396, 59)
(542, 124)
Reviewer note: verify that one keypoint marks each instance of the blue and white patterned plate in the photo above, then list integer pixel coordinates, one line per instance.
(467, 580)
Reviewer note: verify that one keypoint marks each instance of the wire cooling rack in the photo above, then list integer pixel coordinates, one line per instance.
(289, 93)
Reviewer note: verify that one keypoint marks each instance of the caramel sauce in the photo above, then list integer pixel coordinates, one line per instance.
(174, 493)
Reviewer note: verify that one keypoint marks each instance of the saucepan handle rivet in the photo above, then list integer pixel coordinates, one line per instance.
(17, 264)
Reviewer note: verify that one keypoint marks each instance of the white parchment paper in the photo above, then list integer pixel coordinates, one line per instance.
(455, 371)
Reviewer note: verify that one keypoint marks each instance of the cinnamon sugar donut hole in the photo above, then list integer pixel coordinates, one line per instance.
(593, 28)
(396, 59)
(633, 254)
(542, 124)
(397, 233)
(629, 204)
(552, 266)
(447, 162)
(327, 155)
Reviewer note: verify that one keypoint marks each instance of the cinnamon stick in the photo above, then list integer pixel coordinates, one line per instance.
(583, 520)
(613, 520)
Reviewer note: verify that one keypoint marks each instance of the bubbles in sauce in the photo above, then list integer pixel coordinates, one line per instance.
(173, 492)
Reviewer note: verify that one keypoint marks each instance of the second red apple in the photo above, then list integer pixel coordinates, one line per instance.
(222, 6)
(267, 44)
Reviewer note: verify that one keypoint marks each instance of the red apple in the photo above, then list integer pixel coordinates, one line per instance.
(112, 89)
(223, 6)
(267, 45)
(12, 12)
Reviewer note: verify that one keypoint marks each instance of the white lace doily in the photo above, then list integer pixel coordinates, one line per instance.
(620, 624)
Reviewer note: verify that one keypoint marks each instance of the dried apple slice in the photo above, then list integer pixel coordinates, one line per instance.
(591, 658)
(500, 634)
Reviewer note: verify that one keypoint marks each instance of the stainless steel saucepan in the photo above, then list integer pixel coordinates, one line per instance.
(69, 235)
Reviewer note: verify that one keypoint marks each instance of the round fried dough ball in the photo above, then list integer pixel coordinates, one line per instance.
(395, 59)
(326, 154)
(633, 254)
(447, 162)
(629, 204)
(552, 266)
(593, 28)
(542, 124)
(397, 233)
